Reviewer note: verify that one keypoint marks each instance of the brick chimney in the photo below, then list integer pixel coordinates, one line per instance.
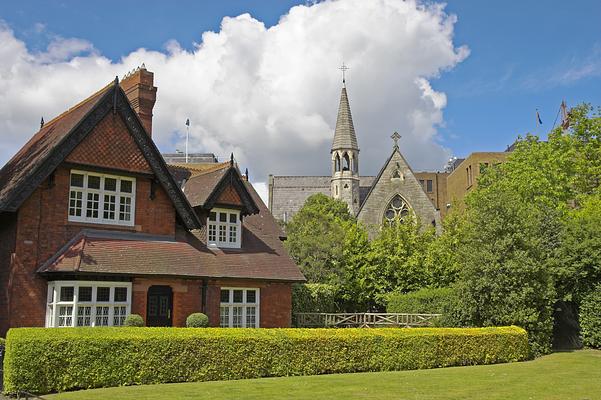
(142, 94)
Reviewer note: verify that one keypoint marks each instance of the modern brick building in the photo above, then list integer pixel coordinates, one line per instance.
(95, 225)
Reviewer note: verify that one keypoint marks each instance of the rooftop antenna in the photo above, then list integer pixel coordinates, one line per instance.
(187, 136)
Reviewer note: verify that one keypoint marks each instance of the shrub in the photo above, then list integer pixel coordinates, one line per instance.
(133, 320)
(197, 320)
(423, 301)
(43, 360)
(314, 297)
(590, 318)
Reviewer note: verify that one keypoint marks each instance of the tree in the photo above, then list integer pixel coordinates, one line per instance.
(315, 235)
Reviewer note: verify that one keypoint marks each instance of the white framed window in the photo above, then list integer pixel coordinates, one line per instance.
(101, 198)
(87, 303)
(239, 308)
(224, 228)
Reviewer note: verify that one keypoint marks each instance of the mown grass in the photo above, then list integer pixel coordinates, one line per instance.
(565, 376)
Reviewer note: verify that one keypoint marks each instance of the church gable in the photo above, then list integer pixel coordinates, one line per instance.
(396, 190)
(110, 145)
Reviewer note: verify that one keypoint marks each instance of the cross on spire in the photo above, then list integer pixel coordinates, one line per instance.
(395, 136)
(343, 68)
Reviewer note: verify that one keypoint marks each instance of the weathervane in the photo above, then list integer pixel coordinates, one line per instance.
(343, 68)
(395, 136)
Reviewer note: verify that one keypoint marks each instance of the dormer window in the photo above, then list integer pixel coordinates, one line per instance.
(224, 228)
(102, 199)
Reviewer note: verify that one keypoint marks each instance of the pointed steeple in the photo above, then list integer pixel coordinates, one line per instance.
(344, 136)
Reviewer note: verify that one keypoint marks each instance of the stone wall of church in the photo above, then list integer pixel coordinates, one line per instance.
(287, 194)
(407, 185)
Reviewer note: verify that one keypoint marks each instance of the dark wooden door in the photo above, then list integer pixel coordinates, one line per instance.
(159, 309)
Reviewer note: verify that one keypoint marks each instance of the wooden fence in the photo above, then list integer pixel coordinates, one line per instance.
(363, 320)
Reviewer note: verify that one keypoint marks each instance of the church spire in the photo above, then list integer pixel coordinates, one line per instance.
(344, 136)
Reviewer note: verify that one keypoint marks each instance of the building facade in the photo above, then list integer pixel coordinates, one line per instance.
(95, 225)
(396, 192)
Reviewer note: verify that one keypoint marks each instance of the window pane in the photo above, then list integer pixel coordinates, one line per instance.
(212, 232)
(224, 317)
(233, 234)
(225, 296)
(110, 184)
(65, 317)
(102, 316)
(84, 293)
(67, 293)
(222, 230)
(109, 207)
(92, 205)
(238, 296)
(251, 317)
(125, 208)
(212, 216)
(75, 203)
(222, 217)
(77, 180)
(103, 294)
(120, 294)
(84, 316)
(237, 317)
(119, 315)
(429, 185)
(251, 296)
(126, 186)
(93, 182)
(233, 218)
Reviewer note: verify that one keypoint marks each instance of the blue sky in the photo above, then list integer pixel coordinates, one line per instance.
(523, 55)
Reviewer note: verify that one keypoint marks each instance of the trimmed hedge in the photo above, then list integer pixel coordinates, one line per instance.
(43, 360)
(423, 301)
(590, 319)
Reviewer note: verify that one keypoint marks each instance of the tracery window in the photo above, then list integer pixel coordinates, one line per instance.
(397, 210)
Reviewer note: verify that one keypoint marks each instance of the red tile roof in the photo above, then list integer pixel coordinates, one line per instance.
(35, 151)
(108, 252)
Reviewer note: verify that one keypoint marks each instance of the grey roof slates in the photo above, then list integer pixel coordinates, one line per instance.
(344, 136)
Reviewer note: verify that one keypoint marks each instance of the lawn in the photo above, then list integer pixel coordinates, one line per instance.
(569, 375)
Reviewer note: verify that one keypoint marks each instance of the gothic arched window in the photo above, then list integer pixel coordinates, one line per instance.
(346, 162)
(397, 210)
(337, 163)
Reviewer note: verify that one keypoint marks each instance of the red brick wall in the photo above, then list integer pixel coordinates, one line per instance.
(8, 227)
(275, 301)
(187, 297)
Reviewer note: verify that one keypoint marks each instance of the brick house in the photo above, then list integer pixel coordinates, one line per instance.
(94, 225)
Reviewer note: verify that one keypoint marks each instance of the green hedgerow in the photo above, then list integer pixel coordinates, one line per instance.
(133, 320)
(40, 360)
(197, 320)
(590, 318)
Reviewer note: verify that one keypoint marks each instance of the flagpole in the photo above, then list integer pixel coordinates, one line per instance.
(187, 135)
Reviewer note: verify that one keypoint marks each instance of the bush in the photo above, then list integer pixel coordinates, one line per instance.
(197, 320)
(314, 297)
(43, 360)
(133, 320)
(423, 301)
(590, 319)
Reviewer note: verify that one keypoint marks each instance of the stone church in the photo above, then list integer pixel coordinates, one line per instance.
(396, 192)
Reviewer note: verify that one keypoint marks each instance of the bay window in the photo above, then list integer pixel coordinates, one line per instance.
(224, 228)
(101, 198)
(84, 303)
(239, 308)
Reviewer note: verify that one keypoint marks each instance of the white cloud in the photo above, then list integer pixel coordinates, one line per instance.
(268, 95)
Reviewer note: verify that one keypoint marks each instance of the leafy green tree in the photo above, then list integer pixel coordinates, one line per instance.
(315, 235)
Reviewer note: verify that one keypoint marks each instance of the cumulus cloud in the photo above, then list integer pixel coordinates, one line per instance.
(270, 95)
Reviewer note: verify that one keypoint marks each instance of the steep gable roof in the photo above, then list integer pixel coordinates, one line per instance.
(205, 188)
(59, 137)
